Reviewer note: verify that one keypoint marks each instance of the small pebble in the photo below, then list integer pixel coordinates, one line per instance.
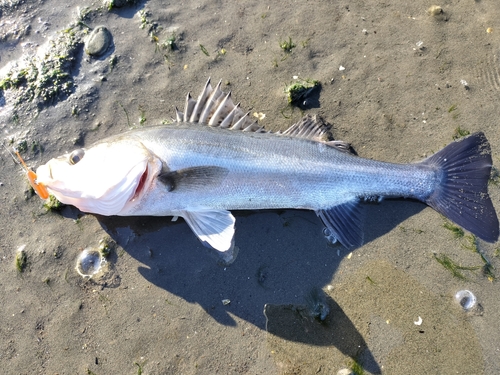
(98, 41)
(435, 10)
(464, 83)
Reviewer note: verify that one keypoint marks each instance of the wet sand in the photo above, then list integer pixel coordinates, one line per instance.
(409, 81)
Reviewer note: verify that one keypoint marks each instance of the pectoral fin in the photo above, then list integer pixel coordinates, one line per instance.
(213, 228)
(193, 178)
(345, 223)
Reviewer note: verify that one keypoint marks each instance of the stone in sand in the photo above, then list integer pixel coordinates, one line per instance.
(98, 41)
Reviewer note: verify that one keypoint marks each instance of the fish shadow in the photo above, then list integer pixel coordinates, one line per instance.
(294, 323)
(381, 218)
(282, 256)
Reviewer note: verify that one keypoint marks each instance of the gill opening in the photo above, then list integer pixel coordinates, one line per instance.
(140, 185)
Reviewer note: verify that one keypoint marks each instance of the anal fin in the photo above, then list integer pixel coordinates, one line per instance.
(213, 228)
(345, 222)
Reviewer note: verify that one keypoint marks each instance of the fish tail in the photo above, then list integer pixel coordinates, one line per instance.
(462, 194)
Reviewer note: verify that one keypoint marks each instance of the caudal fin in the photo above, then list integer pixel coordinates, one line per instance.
(462, 195)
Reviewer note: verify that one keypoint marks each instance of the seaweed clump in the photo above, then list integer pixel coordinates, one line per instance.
(21, 259)
(46, 76)
(299, 91)
(53, 204)
(287, 46)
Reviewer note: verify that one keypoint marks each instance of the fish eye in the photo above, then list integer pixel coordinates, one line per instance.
(76, 156)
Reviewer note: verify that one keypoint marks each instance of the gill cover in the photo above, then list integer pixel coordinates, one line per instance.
(99, 180)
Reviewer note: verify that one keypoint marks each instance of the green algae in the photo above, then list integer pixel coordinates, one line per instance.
(21, 260)
(453, 267)
(45, 77)
(299, 90)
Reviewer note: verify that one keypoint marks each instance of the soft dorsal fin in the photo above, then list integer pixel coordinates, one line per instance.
(310, 127)
(314, 128)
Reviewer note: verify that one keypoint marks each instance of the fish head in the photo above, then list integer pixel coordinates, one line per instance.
(102, 179)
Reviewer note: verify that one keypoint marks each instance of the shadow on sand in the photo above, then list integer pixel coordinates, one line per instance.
(282, 257)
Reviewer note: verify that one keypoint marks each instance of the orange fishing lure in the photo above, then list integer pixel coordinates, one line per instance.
(39, 188)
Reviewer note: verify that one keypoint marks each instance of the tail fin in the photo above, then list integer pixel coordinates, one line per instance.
(462, 195)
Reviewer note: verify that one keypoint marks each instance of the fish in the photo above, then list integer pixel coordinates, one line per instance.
(215, 158)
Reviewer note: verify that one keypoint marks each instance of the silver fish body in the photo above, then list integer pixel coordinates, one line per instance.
(265, 171)
(215, 159)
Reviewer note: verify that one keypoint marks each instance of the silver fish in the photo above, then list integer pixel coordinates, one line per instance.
(215, 159)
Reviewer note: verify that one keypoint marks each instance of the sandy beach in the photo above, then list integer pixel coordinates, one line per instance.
(398, 81)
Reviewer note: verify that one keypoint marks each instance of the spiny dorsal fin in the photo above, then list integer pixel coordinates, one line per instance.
(200, 102)
(188, 107)
(212, 102)
(216, 108)
(222, 111)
